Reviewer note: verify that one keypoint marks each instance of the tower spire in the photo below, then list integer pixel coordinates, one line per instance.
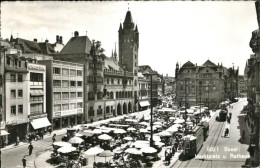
(115, 54)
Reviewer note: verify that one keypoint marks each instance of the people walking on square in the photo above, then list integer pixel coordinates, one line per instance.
(226, 132)
(53, 138)
(30, 147)
(17, 140)
(24, 162)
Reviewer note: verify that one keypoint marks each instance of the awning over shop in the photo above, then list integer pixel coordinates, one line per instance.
(144, 103)
(4, 132)
(40, 123)
(36, 92)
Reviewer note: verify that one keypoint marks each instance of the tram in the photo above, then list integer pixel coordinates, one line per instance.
(192, 144)
(222, 115)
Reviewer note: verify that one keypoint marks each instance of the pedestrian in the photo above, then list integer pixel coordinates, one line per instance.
(17, 140)
(53, 138)
(49, 129)
(243, 134)
(173, 150)
(226, 132)
(42, 134)
(24, 162)
(30, 147)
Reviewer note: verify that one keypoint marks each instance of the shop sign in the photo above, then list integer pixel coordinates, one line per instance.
(16, 122)
(36, 67)
(67, 112)
(38, 116)
(2, 124)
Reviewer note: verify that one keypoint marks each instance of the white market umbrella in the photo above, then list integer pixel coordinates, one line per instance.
(179, 121)
(157, 123)
(119, 131)
(143, 130)
(97, 131)
(66, 149)
(128, 138)
(144, 123)
(104, 137)
(93, 151)
(159, 144)
(164, 133)
(76, 140)
(131, 129)
(62, 144)
(78, 135)
(148, 150)
(155, 138)
(133, 151)
(106, 153)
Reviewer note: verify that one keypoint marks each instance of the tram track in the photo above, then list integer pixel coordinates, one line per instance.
(213, 142)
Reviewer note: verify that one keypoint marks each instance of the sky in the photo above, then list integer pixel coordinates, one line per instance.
(169, 32)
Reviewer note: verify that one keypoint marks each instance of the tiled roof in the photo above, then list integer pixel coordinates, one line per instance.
(188, 64)
(111, 64)
(209, 63)
(28, 46)
(77, 45)
(46, 48)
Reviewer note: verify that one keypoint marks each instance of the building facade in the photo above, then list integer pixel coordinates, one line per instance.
(241, 86)
(25, 101)
(208, 84)
(65, 92)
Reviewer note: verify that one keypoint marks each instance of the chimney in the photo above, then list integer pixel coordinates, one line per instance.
(60, 39)
(35, 40)
(57, 39)
(76, 34)
(46, 41)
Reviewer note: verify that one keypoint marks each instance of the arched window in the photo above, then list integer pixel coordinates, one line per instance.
(135, 83)
(111, 95)
(99, 95)
(117, 95)
(91, 96)
(135, 72)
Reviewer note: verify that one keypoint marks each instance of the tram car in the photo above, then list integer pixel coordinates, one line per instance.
(222, 115)
(193, 143)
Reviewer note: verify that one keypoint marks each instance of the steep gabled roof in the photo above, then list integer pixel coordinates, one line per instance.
(209, 63)
(46, 48)
(27, 46)
(77, 45)
(188, 64)
(111, 64)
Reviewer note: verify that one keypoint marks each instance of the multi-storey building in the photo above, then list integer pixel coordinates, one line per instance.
(144, 92)
(25, 101)
(107, 78)
(208, 84)
(65, 93)
(241, 86)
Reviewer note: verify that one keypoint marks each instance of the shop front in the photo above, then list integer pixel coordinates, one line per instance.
(16, 130)
(39, 124)
(143, 105)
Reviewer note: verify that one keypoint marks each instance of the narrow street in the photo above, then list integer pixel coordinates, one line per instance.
(219, 151)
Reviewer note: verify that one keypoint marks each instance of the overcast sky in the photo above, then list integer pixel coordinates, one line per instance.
(169, 31)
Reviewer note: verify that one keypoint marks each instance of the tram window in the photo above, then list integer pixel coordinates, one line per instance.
(187, 145)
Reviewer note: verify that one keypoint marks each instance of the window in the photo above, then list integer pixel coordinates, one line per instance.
(20, 78)
(57, 107)
(20, 93)
(20, 109)
(79, 73)
(135, 54)
(107, 80)
(91, 96)
(73, 106)
(12, 77)
(65, 83)
(65, 95)
(91, 111)
(79, 83)
(56, 83)
(73, 83)
(135, 63)
(65, 107)
(36, 98)
(36, 77)
(90, 79)
(99, 110)
(73, 95)
(20, 63)
(118, 81)
(112, 81)
(13, 93)
(72, 72)
(57, 96)
(79, 105)
(56, 70)
(36, 108)
(15, 62)
(135, 83)
(13, 110)
(8, 60)
(79, 94)
(65, 72)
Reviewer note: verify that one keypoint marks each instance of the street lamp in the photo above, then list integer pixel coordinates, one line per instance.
(151, 98)
(200, 83)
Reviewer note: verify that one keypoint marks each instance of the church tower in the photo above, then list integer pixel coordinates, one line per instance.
(128, 39)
